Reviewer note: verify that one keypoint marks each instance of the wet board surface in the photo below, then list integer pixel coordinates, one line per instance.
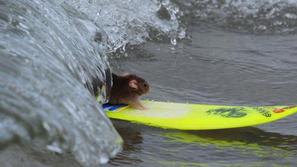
(198, 116)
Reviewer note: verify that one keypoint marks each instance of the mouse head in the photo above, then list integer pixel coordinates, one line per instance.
(138, 85)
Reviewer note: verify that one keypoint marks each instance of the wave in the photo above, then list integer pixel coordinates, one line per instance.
(256, 16)
(47, 59)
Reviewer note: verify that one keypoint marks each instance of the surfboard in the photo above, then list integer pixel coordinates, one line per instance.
(182, 116)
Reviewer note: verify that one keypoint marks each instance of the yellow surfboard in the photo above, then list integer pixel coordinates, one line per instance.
(198, 116)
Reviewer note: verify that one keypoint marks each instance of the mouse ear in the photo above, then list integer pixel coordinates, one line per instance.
(133, 84)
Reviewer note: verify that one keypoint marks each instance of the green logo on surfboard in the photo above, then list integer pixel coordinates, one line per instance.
(228, 112)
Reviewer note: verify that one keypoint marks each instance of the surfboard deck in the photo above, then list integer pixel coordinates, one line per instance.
(182, 116)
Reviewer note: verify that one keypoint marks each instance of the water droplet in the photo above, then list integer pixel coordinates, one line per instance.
(173, 41)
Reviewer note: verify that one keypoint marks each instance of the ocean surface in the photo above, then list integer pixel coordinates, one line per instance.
(233, 52)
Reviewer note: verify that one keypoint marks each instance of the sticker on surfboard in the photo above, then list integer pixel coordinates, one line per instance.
(112, 107)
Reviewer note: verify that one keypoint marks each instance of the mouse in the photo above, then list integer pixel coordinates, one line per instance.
(127, 89)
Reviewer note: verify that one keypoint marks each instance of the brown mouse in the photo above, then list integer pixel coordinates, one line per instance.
(127, 88)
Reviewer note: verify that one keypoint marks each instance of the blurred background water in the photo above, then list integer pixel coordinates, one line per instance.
(210, 51)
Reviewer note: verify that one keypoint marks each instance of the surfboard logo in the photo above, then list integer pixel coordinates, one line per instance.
(228, 112)
(264, 112)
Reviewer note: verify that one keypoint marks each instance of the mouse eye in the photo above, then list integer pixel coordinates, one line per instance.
(145, 85)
